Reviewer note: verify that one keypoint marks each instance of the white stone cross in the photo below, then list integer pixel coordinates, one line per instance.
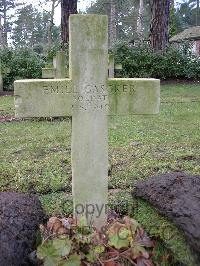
(59, 69)
(112, 66)
(89, 97)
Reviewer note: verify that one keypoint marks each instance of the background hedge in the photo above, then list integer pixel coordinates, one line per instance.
(138, 61)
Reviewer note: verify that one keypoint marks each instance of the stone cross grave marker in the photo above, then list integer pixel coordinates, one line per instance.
(3, 73)
(89, 97)
(1, 81)
(112, 66)
(59, 70)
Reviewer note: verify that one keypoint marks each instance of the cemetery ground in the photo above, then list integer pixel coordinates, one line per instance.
(36, 157)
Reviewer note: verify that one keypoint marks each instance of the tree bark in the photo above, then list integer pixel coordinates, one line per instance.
(5, 24)
(68, 7)
(140, 25)
(112, 23)
(159, 29)
(197, 18)
(1, 33)
(51, 22)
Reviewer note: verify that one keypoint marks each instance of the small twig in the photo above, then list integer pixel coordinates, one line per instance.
(112, 259)
(129, 259)
(124, 252)
(102, 264)
(47, 238)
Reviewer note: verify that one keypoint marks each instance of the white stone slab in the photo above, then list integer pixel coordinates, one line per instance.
(47, 98)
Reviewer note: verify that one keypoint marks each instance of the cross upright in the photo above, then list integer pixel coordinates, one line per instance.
(89, 96)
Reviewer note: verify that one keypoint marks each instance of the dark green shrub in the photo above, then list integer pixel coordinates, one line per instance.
(38, 48)
(138, 61)
(26, 63)
(23, 63)
(141, 62)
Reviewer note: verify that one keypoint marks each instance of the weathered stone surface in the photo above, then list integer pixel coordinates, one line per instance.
(1, 81)
(43, 98)
(89, 97)
(112, 66)
(20, 216)
(48, 73)
(3, 72)
(177, 196)
(88, 58)
(59, 97)
(60, 65)
(133, 96)
(59, 70)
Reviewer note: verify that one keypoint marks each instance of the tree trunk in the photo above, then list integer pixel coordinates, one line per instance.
(159, 29)
(5, 24)
(112, 24)
(197, 19)
(68, 7)
(1, 33)
(51, 22)
(172, 20)
(140, 30)
(54, 5)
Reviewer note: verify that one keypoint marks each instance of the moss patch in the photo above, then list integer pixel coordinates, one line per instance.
(161, 228)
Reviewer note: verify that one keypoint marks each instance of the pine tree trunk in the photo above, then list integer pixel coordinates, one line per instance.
(159, 29)
(112, 23)
(68, 7)
(197, 19)
(5, 26)
(140, 21)
(1, 33)
(51, 22)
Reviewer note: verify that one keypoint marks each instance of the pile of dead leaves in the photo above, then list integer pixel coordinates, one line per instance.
(120, 242)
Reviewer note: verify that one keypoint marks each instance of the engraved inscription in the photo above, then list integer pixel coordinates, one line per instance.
(90, 96)
(89, 89)
(59, 89)
(121, 89)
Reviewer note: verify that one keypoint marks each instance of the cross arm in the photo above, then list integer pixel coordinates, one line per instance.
(48, 72)
(59, 97)
(133, 96)
(44, 98)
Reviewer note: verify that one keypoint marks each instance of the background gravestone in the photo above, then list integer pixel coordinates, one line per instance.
(112, 66)
(3, 73)
(1, 81)
(59, 69)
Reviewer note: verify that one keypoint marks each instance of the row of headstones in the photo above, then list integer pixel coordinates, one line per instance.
(60, 69)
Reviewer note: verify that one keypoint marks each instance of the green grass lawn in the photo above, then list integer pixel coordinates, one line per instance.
(35, 155)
